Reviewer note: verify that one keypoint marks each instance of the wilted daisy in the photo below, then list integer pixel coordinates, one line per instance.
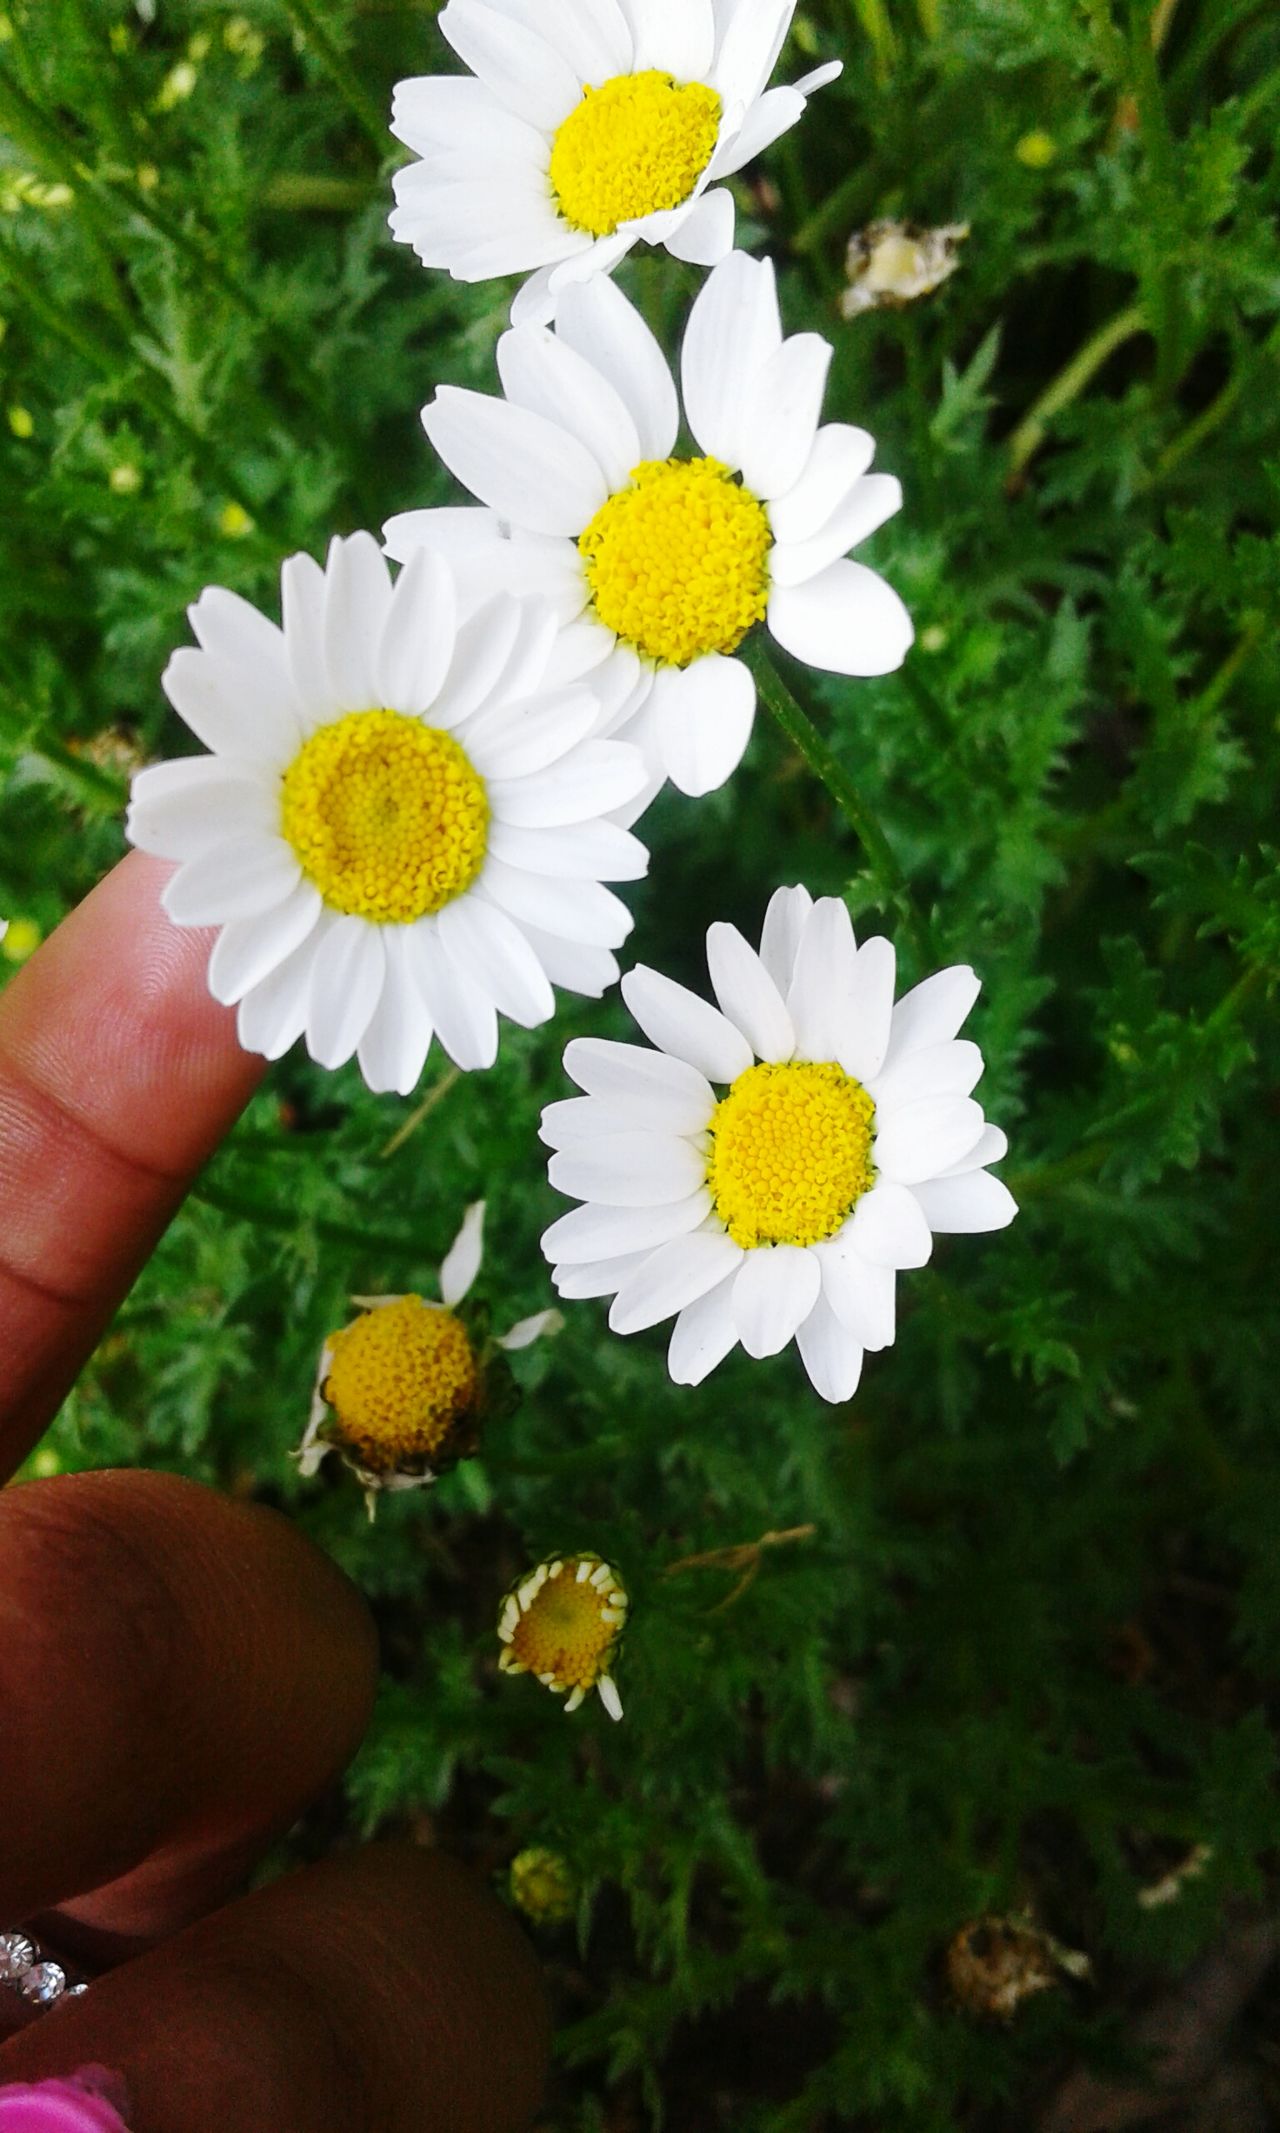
(660, 565)
(764, 1173)
(589, 125)
(402, 1392)
(563, 1622)
(400, 831)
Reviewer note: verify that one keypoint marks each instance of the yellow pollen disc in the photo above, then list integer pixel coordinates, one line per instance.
(790, 1153)
(677, 562)
(565, 1633)
(403, 1385)
(387, 816)
(636, 144)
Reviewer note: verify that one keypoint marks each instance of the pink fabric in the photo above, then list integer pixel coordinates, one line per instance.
(85, 2103)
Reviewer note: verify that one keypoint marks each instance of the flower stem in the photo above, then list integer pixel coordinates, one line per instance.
(307, 19)
(804, 735)
(1070, 383)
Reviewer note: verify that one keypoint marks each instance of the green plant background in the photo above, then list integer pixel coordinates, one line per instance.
(1026, 1656)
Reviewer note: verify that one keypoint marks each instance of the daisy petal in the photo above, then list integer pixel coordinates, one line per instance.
(239, 878)
(934, 1070)
(627, 1073)
(303, 601)
(675, 1275)
(677, 1021)
(205, 695)
(821, 996)
(600, 851)
(528, 1330)
(393, 1050)
(780, 411)
(418, 635)
(522, 70)
(582, 911)
(481, 651)
(772, 115)
(748, 995)
(463, 1016)
(599, 1277)
(704, 716)
(676, 36)
(574, 966)
(784, 923)
(705, 235)
(249, 949)
(991, 1147)
(774, 1292)
(734, 328)
(862, 1294)
(846, 620)
(590, 1233)
(703, 1335)
(542, 373)
(750, 46)
(273, 1015)
(596, 320)
(888, 1227)
(628, 1169)
(870, 1008)
(831, 1354)
(923, 1138)
(358, 603)
(526, 468)
(965, 1206)
(836, 464)
(875, 499)
(346, 984)
(597, 777)
(932, 1012)
(488, 948)
(461, 1262)
(178, 810)
(511, 740)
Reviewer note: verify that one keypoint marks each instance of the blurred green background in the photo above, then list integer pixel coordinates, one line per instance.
(1025, 1661)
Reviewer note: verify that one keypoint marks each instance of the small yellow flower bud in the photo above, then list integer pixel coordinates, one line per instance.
(22, 422)
(22, 938)
(124, 480)
(1036, 150)
(543, 1885)
(234, 522)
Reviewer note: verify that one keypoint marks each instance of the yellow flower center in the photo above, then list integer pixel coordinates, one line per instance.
(636, 144)
(570, 1625)
(677, 561)
(790, 1153)
(403, 1384)
(387, 816)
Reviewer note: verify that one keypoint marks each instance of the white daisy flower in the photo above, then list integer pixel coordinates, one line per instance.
(660, 565)
(403, 1392)
(782, 1208)
(586, 127)
(401, 831)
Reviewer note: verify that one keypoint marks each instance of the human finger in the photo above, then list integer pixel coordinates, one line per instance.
(118, 1076)
(179, 1676)
(380, 1992)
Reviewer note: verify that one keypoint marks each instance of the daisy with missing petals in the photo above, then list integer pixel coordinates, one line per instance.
(402, 1392)
(401, 829)
(764, 1173)
(564, 1622)
(588, 126)
(659, 565)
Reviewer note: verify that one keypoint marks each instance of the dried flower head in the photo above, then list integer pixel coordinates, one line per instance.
(563, 1622)
(994, 1964)
(400, 1393)
(891, 264)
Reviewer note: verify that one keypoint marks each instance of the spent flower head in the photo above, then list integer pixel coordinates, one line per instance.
(563, 1622)
(402, 1392)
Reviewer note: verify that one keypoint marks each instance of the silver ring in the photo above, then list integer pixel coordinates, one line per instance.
(28, 1970)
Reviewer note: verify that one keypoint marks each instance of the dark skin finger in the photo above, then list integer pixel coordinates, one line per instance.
(378, 1993)
(179, 1676)
(119, 1074)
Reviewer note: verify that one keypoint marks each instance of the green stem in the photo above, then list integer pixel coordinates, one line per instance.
(804, 735)
(1071, 382)
(306, 18)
